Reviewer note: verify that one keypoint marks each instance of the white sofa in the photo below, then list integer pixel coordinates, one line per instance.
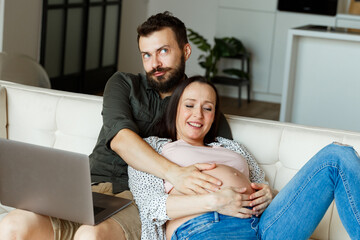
(72, 122)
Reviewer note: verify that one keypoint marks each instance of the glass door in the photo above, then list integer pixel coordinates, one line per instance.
(79, 43)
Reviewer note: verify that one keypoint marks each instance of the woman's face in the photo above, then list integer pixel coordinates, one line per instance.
(195, 113)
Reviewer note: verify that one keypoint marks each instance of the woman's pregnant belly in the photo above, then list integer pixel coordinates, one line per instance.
(229, 177)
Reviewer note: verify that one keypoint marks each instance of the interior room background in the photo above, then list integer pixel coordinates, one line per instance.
(257, 23)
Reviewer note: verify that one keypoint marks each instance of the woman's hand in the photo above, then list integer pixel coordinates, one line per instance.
(190, 180)
(231, 201)
(261, 198)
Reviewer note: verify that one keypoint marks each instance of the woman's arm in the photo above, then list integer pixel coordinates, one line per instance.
(228, 201)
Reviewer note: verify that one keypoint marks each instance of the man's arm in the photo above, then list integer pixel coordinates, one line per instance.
(122, 137)
(141, 156)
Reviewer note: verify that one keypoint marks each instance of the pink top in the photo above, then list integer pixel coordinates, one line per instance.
(184, 154)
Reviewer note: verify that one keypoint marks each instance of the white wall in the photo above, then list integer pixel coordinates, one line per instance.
(252, 22)
(22, 27)
(1, 24)
(133, 13)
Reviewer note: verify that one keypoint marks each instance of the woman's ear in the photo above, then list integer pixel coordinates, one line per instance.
(187, 51)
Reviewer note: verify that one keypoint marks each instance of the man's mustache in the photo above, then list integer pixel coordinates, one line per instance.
(159, 69)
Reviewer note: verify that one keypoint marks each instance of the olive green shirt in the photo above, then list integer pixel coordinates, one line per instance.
(128, 103)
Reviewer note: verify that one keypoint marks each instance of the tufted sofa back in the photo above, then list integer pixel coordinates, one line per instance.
(72, 121)
(63, 120)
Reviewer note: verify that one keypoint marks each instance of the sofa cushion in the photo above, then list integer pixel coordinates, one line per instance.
(31, 117)
(53, 118)
(78, 133)
(3, 113)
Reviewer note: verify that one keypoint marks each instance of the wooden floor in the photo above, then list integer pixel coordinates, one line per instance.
(255, 109)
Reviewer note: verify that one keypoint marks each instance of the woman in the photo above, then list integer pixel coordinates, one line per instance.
(191, 124)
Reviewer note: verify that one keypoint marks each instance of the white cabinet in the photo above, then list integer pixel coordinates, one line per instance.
(322, 82)
(284, 22)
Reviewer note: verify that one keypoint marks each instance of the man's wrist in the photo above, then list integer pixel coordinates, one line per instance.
(170, 171)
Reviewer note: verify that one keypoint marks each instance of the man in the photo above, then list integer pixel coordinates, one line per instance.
(132, 106)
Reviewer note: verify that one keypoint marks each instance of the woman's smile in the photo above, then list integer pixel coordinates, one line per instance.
(193, 124)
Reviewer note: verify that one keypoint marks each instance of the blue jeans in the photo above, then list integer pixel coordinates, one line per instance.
(213, 225)
(333, 173)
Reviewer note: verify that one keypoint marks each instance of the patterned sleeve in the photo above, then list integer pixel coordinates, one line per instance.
(150, 197)
(256, 175)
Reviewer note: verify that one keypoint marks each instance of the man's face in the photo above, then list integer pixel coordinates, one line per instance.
(163, 60)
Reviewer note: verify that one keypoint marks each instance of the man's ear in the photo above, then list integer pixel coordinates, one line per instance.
(187, 51)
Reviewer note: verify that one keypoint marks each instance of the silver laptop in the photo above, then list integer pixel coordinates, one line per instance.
(52, 182)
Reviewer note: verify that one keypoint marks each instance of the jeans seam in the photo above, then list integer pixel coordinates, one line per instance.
(252, 224)
(349, 196)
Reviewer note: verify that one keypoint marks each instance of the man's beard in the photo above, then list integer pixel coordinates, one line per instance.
(162, 85)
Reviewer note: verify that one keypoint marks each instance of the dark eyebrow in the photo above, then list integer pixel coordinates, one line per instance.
(165, 46)
(193, 100)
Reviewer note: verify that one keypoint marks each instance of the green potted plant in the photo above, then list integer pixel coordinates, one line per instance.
(226, 47)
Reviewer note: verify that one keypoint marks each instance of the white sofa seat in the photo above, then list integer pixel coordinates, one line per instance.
(72, 121)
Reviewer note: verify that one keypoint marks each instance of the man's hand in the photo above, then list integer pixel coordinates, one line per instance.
(261, 198)
(190, 180)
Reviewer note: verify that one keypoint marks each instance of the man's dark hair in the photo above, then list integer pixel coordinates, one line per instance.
(167, 126)
(160, 21)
